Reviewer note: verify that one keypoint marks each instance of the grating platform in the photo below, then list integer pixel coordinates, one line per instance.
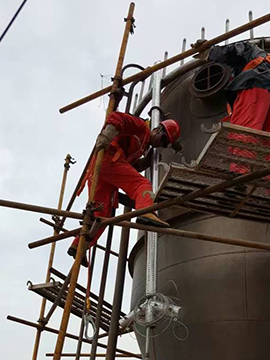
(50, 291)
(234, 149)
(231, 150)
(253, 204)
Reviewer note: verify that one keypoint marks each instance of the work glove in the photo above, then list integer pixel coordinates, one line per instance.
(105, 137)
(204, 54)
(177, 147)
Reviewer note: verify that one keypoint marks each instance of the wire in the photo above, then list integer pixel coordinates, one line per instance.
(12, 20)
(184, 326)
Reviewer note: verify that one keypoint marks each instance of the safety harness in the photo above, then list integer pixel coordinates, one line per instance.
(256, 62)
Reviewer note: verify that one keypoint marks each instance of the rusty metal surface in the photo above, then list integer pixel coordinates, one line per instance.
(181, 180)
(235, 149)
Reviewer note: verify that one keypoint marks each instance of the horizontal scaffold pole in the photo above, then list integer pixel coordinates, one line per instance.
(150, 70)
(196, 236)
(96, 355)
(185, 234)
(179, 200)
(70, 336)
(40, 209)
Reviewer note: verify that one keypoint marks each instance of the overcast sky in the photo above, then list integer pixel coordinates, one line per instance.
(54, 54)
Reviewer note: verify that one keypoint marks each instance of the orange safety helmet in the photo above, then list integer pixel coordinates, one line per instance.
(172, 129)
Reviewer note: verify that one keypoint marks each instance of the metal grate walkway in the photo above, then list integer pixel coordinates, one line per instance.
(230, 150)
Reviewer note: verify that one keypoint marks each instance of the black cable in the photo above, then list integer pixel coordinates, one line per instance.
(12, 20)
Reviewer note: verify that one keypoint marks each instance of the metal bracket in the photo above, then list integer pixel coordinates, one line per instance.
(191, 165)
(88, 319)
(165, 166)
(214, 129)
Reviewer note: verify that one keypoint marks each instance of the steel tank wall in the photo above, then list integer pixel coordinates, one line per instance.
(225, 290)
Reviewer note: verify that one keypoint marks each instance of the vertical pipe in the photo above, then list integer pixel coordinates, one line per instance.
(184, 44)
(164, 69)
(51, 257)
(203, 33)
(151, 261)
(80, 339)
(141, 90)
(227, 27)
(102, 290)
(135, 102)
(118, 292)
(251, 31)
(87, 217)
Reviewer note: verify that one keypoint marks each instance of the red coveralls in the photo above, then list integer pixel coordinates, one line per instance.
(117, 170)
(251, 109)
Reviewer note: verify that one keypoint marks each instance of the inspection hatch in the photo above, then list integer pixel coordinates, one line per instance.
(209, 80)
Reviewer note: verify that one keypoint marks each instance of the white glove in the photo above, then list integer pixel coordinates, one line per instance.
(105, 137)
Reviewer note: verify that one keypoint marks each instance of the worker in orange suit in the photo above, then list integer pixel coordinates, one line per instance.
(125, 139)
(248, 93)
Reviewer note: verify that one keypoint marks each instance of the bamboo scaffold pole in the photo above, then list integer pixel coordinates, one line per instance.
(148, 71)
(97, 355)
(68, 335)
(40, 209)
(118, 293)
(102, 287)
(68, 161)
(179, 200)
(87, 217)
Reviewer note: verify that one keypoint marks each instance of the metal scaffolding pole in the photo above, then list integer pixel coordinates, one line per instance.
(151, 254)
(118, 292)
(87, 217)
(70, 336)
(102, 290)
(68, 161)
(79, 345)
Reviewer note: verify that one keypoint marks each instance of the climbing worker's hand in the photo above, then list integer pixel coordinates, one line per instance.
(204, 54)
(105, 137)
(145, 162)
(177, 147)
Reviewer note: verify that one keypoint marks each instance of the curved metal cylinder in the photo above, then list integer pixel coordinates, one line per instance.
(224, 290)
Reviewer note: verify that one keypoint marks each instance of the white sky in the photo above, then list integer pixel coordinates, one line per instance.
(52, 55)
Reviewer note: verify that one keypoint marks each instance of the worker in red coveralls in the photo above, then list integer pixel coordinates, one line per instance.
(248, 92)
(126, 138)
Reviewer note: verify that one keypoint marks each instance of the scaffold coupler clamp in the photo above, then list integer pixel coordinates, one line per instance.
(118, 91)
(88, 320)
(133, 26)
(56, 219)
(69, 160)
(161, 112)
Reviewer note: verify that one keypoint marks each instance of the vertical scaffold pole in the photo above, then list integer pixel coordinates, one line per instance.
(151, 262)
(76, 267)
(118, 292)
(51, 257)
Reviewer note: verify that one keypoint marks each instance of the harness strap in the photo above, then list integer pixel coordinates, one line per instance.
(256, 62)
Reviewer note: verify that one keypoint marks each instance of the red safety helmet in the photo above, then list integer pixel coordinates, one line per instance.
(172, 129)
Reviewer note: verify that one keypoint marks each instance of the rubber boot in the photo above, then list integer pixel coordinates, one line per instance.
(72, 251)
(152, 220)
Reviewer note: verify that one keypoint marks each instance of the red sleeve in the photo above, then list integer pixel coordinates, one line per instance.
(127, 124)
